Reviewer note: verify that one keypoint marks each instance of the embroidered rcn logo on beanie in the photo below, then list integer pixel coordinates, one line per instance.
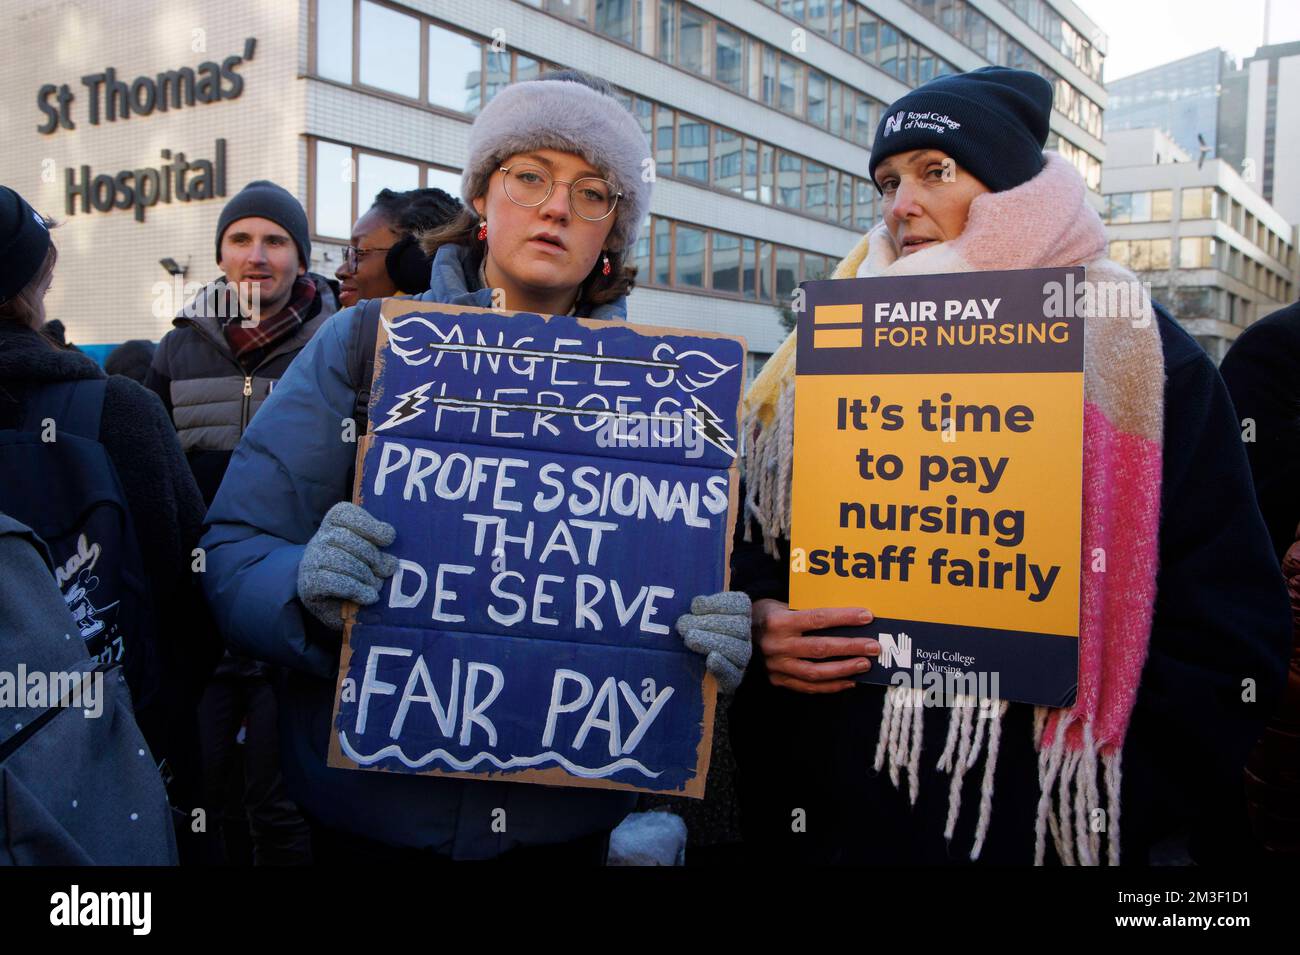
(906, 119)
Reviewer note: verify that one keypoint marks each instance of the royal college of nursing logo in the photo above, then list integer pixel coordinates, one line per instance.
(938, 122)
(895, 651)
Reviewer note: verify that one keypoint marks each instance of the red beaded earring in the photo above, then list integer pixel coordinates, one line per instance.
(482, 230)
(604, 269)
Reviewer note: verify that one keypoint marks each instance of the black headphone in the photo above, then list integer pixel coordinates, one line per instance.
(408, 266)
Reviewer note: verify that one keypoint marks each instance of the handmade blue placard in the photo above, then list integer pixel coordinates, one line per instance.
(561, 489)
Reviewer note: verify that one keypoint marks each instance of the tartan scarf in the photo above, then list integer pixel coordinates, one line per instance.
(1044, 222)
(245, 340)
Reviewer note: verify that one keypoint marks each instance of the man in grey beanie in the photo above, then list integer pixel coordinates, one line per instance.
(213, 371)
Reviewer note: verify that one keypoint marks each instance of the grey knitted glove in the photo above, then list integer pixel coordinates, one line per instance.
(343, 562)
(718, 627)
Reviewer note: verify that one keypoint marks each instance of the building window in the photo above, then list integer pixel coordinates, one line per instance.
(668, 31)
(1199, 203)
(788, 99)
(1160, 254)
(455, 70)
(816, 267)
(1162, 205)
(747, 258)
(390, 50)
(840, 120)
(864, 209)
(766, 174)
(448, 182)
(1119, 208)
(817, 17)
(889, 61)
(690, 41)
(816, 98)
(664, 141)
(578, 10)
(692, 148)
(751, 170)
(644, 111)
(1196, 303)
(332, 208)
(663, 253)
(1141, 207)
(789, 181)
(334, 39)
(765, 255)
(926, 68)
(787, 272)
(867, 35)
(1196, 253)
(641, 253)
(379, 172)
(864, 131)
(497, 76)
(815, 191)
(689, 256)
(769, 76)
(727, 160)
(729, 58)
(725, 264)
(614, 18)
(345, 181)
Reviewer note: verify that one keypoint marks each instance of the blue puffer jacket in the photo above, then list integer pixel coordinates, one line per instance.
(290, 467)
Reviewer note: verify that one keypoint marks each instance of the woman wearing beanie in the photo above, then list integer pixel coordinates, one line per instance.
(1183, 640)
(141, 457)
(553, 179)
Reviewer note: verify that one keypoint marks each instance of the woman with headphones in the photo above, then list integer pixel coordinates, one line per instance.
(384, 257)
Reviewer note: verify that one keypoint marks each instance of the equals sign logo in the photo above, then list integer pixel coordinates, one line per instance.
(837, 326)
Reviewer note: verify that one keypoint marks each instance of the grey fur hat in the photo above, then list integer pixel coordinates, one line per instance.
(569, 114)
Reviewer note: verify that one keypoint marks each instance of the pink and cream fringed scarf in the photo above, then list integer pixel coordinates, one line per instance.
(1044, 222)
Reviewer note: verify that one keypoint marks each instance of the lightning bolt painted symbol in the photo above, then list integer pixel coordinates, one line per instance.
(411, 406)
(709, 426)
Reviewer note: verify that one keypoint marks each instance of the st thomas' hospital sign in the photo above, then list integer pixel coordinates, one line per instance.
(110, 99)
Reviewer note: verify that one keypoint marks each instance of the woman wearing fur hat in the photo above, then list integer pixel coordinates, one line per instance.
(1183, 642)
(554, 199)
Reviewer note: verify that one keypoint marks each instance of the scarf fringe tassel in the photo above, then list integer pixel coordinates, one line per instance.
(1070, 780)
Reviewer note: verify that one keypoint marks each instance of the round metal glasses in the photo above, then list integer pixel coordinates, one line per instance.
(590, 198)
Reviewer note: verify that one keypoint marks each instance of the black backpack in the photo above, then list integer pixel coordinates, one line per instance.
(60, 482)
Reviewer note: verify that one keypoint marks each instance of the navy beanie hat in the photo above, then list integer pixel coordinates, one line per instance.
(24, 242)
(266, 200)
(993, 121)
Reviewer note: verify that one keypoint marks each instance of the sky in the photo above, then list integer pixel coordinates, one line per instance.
(1147, 33)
